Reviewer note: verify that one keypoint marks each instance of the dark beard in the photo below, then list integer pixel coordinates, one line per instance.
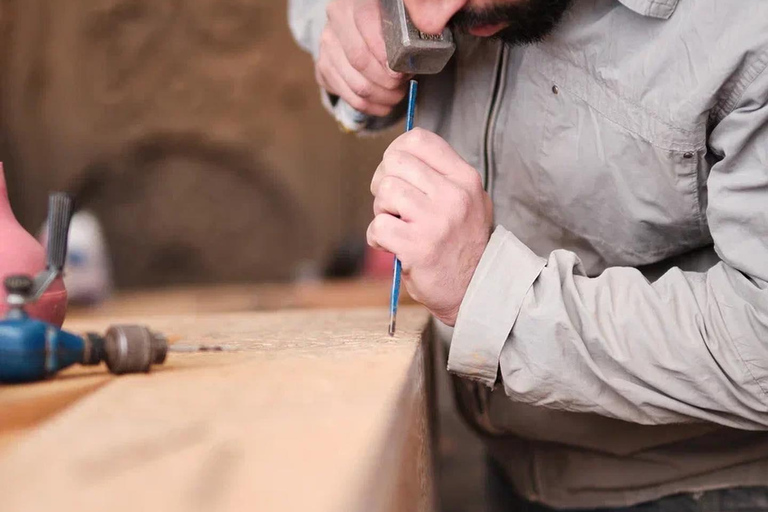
(529, 20)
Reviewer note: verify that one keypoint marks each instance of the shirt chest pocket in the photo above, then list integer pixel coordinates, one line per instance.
(616, 174)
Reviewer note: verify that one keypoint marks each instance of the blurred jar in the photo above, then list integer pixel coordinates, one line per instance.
(87, 272)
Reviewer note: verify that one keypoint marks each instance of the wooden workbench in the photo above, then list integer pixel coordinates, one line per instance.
(310, 410)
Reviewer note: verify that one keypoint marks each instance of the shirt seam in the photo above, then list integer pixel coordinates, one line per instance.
(628, 101)
(603, 242)
(747, 367)
(658, 8)
(677, 148)
(742, 85)
(651, 8)
(662, 3)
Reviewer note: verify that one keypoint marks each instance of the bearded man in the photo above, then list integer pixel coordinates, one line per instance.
(584, 210)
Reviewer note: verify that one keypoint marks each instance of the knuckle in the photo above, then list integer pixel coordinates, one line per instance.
(370, 237)
(358, 103)
(325, 38)
(393, 159)
(373, 229)
(475, 181)
(387, 156)
(418, 135)
(461, 201)
(416, 138)
(322, 66)
(377, 205)
(393, 85)
(440, 231)
(386, 186)
(332, 9)
(398, 159)
(358, 59)
(375, 181)
(362, 88)
(377, 224)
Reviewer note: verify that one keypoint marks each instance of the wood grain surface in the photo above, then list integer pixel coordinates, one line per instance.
(244, 297)
(308, 410)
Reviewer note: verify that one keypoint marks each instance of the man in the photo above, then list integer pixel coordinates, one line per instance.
(585, 211)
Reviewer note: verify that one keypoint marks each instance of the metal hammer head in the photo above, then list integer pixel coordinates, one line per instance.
(409, 50)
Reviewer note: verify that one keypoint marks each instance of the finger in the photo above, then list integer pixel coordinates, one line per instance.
(358, 83)
(341, 18)
(388, 233)
(368, 22)
(367, 18)
(337, 84)
(435, 152)
(399, 198)
(323, 63)
(320, 78)
(407, 167)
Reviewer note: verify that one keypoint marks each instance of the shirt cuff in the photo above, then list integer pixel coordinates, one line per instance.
(507, 270)
(365, 125)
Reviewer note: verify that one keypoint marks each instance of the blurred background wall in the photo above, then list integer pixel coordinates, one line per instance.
(191, 128)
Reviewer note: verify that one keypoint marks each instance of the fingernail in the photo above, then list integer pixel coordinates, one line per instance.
(394, 74)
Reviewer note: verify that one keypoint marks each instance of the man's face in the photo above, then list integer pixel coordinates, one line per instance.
(513, 21)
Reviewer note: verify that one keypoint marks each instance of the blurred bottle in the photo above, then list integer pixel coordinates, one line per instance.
(87, 273)
(20, 253)
(378, 264)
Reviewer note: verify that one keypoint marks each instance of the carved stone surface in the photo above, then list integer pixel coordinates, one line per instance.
(192, 128)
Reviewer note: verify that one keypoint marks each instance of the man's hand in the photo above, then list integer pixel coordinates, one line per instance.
(432, 212)
(352, 62)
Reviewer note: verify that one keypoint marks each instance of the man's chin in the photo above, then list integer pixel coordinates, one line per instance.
(515, 24)
(516, 38)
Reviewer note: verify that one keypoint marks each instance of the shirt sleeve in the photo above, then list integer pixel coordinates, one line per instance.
(306, 19)
(691, 346)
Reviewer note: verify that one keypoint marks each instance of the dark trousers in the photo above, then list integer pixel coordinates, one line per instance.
(502, 498)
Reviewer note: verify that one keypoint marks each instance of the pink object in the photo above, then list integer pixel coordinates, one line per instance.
(378, 264)
(20, 253)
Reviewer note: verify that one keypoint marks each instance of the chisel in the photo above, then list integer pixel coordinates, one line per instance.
(395, 295)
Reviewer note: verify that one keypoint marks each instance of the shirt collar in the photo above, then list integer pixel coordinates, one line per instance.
(662, 9)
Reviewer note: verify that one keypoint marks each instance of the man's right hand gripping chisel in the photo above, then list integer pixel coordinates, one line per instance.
(411, 52)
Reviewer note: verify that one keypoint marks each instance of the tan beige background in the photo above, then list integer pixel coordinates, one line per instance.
(191, 127)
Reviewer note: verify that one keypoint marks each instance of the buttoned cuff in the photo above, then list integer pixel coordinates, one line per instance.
(507, 270)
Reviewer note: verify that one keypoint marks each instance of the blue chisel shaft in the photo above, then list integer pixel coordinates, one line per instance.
(395, 296)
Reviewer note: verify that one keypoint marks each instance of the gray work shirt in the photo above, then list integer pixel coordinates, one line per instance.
(613, 342)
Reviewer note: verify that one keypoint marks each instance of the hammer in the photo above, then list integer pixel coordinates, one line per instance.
(409, 51)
